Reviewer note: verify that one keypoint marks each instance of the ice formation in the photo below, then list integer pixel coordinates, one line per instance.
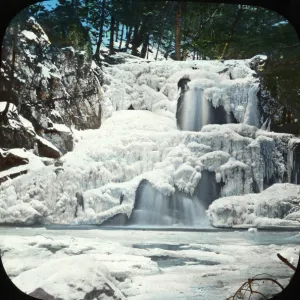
(276, 206)
(108, 164)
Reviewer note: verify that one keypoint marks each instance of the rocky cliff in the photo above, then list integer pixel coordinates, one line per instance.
(52, 90)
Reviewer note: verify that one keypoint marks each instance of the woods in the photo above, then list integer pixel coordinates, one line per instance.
(203, 30)
(179, 31)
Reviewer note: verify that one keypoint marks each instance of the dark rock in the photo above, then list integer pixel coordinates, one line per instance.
(80, 202)
(62, 139)
(183, 86)
(15, 134)
(114, 59)
(96, 293)
(116, 220)
(46, 149)
(39, 293)
(10, 160)
(208, 189)
(12, 175)
(58, 163)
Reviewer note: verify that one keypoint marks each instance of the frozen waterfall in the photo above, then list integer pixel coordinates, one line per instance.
(196, 110)
(154, 208)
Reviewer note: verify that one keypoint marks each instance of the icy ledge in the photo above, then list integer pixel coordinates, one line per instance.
(279, 205)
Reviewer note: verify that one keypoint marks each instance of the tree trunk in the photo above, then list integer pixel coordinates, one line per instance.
(100, 30)
(117, 31)
(177, 32)
(134, 41)
(233, 28)
(148, 50)
(128, 37)
(145, 46)
(3, 114)
(111, 40)
(158, 44)
(121, 39)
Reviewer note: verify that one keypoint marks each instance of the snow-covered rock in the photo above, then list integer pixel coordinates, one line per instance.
(92, 281)
(61, 137)
(47, 149)
(279, 205)
(10, 159)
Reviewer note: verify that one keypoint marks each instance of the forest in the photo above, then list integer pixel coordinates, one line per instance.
(180, 30)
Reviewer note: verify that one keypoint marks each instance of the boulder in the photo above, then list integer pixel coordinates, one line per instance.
(47, 149)
(10, 160)
(39, 293)
(17, 133)
(61, 137)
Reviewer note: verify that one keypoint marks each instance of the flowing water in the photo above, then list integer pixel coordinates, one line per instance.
(195, 110)
(179, 209)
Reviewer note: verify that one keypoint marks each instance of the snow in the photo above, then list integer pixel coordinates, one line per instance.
(276, 206)
(61, 127)
(45, 71)
(280, 23)
(30, 35)
(27, 124)
(11, 107)
(70, 264)
(93, 65)
(93, 275)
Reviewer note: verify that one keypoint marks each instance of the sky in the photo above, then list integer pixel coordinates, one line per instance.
(50, 3)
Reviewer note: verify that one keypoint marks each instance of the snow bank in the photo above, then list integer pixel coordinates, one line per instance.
(279, 205)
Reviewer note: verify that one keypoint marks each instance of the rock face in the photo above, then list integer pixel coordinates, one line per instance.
(51, 86)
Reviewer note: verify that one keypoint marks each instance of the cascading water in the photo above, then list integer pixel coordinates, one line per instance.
(154, 208)
(195, 110)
